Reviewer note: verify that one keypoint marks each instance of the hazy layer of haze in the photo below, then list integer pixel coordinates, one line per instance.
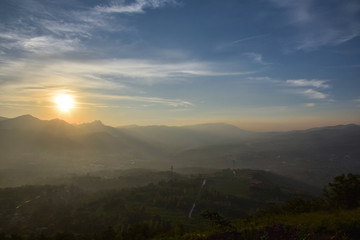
(33, 149)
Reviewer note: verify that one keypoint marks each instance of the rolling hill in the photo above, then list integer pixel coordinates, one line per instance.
(32, 148)
(314, 155)
(175, 139)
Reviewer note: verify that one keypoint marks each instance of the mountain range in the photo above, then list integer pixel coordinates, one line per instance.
(32, 148)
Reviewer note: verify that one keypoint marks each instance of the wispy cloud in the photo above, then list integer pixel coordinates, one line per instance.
(310, 93)
(255, 57)
(310, 104)
(48, 44)
(357, 101)
(266, 79)
(45, 29)
(42, 97)
(210, 73)
(145, 71)
(233, 44)
(149, 100)
(313, 94)
(302, 87)
(35, 80)
(308, 83)
(48, 36)
(136, 7)
(119, 70)
(89, 93)
(319, 23)
(248, 39)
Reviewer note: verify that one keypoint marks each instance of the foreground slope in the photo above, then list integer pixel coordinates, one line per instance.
(72, 209)
(257, 205)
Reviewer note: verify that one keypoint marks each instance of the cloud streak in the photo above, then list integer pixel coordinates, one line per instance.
(255, 57)
(47, 45)
(310, 93)
(44, 29)
(136, 7)
(149, 100)
(308, 83)
(302, 87)
(321, 24)
(313, 94)
(41, 93)
(357, 101)
(310, 104)
(115, 70)
(36, 79)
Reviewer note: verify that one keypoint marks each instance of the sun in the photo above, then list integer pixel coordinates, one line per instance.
(64, 102)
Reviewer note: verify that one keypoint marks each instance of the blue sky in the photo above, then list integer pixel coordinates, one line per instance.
(259, 64)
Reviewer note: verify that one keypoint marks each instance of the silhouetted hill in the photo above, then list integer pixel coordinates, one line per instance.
(314, 155)
(186, 137)
(21, 122)
(219, 129)
(39, 146)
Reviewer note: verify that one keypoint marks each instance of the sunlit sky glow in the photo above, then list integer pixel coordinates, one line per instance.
(258, 64)
(64, 102)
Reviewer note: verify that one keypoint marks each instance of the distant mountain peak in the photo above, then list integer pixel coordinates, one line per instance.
(94, 126)
(57, 120)
(59, 123)
(26, 116)
(335, 127)
(22, 122)
(211, 124)
(218, 128)
(96, 123)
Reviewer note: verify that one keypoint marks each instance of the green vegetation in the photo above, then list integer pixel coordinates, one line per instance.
(241, 204)
(344, 191)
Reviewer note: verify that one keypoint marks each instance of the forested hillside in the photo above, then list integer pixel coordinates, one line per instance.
(238, 204)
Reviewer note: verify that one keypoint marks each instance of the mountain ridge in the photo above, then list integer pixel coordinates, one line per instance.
(314, 155)
(99, 122)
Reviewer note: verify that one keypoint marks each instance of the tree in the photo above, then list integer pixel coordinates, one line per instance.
(218, 221)
(344, 191)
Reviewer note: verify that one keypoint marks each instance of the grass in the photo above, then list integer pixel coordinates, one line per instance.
(322, 222)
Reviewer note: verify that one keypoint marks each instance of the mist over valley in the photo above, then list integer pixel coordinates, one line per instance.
(33, 150)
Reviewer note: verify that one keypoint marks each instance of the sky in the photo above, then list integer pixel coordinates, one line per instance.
(258, 64)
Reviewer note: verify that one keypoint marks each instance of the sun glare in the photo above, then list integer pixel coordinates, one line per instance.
(64, 102)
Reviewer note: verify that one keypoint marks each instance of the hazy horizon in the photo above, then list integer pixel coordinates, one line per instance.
(261, 127)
